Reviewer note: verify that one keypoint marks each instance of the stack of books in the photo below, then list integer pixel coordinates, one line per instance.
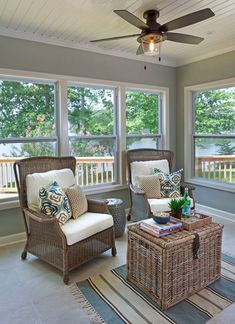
(159, 230)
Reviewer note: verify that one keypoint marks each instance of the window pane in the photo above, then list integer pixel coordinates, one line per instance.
(9, 153)
(90, 111)
(26, 109)
(215, 111)
(215, 158)
(142, 113)
(95, 161)
(134, 143)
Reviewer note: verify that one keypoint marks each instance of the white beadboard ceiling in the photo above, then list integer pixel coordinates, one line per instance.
(73, 23)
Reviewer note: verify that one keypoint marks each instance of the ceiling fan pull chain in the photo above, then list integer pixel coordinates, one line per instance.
(159, 55)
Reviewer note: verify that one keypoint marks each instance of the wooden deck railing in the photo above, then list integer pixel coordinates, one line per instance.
(90, 171)
(218, 167)
(100, 170)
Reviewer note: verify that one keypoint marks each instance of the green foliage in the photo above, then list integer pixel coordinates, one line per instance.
(176, 204)
(225, 148)
(90, 111)
(142, 113)
(215, 111)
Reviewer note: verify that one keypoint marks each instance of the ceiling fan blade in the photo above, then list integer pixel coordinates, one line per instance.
(187, 20)
(139, 50)
(183, 38)
(113, 38)
(132, 19)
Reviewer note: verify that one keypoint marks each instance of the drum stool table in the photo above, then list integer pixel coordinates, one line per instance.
(116, 209)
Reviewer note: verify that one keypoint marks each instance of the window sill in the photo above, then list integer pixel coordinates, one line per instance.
(88, 191)
(212, 184)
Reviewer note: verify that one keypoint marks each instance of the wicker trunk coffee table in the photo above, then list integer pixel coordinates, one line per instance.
(167, 269)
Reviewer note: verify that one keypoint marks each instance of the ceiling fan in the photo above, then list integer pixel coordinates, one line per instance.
(153, 34)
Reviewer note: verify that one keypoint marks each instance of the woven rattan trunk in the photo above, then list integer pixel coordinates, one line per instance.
(166, 268)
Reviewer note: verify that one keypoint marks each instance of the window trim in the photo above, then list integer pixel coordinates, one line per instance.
(114, 136)
(189, 135)
(158, 136)
(61, 82)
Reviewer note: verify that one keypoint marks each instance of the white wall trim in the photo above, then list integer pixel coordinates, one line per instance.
(215, 212)
(12, 239)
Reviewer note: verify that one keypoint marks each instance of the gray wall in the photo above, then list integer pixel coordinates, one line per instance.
(213, 69)
(37, 57)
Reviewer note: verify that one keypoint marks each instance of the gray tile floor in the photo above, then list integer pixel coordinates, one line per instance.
(33, 292)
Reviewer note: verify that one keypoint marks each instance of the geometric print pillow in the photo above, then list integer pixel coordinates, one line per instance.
(169, 183)
(54, 203)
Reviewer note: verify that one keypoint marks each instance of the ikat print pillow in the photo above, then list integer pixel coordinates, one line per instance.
(169, 183)
(54, 203)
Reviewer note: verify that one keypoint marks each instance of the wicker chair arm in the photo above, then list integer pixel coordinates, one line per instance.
(97, 206)
(137, 190)
(39, 217)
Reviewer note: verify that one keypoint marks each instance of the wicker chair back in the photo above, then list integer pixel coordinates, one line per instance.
(148, 155)
(37, 165)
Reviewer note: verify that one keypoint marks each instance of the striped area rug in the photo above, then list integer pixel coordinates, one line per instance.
(109, 298)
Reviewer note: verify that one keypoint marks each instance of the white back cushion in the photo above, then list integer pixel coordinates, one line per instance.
(64, 177)
(140, 168)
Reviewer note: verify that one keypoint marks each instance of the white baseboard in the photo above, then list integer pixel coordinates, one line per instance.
(216, 212)
(12, 239)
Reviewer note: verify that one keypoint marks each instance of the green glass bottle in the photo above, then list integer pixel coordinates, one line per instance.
(186, 210)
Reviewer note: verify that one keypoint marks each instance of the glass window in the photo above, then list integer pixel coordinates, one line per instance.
(27, 126)
(214, 134)
(143, 119)
(92, 133)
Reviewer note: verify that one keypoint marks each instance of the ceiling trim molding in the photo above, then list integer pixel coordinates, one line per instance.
(206, 56)
(84, 47)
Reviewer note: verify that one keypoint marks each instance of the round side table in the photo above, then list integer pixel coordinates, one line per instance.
(116, 209)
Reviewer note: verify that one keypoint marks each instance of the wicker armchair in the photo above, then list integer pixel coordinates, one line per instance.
(45, 238)
(140, 208)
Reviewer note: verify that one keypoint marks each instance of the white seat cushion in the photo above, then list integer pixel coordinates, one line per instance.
(160, 205)
(141, 168)
(64, 177)
(86, 225)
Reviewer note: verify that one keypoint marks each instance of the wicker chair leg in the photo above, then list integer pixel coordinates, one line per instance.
(66, 277)
(24, 255)
(114, 251)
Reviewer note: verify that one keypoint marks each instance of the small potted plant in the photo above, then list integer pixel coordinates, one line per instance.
(176, 207)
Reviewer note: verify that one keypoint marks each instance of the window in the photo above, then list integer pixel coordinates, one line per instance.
(92, 133)
(143, 115)
(27, 126)
(213, 134)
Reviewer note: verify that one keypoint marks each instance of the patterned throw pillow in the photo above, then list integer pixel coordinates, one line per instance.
(169, 183)
(54, 203)
(151, 185)
(77, 200)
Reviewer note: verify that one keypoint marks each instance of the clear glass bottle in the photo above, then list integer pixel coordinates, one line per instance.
(186, 209)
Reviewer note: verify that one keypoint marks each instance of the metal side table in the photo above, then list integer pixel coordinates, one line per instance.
(116, 209)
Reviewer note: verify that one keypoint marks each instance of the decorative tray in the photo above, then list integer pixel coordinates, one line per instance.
(194, 222)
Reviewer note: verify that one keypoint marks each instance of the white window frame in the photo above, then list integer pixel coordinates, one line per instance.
(189, 136)
(158, 136)
(61, 82)
(113, 136)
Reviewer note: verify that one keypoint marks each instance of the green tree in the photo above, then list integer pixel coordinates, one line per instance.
(215, 111)
(27, 110)
(142, 113)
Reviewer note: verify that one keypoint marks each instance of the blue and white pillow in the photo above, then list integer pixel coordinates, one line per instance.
(54, 203)
(169, 183)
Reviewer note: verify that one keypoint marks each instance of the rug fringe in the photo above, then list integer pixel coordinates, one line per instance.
(88, 308)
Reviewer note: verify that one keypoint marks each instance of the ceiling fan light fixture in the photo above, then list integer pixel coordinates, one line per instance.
(151, 45)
